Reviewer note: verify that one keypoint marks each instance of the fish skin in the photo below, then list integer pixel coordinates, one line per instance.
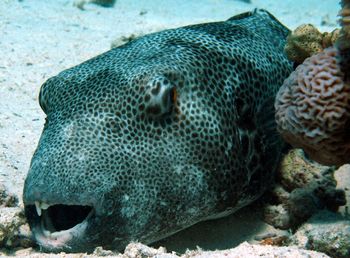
(170, 129)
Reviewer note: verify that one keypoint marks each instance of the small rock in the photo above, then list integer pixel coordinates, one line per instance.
(99, 251)
(143, 12)
(302, 204)
(264, 236)
(303, 188)
(138, 250)
(124, 39)
(80, 4)
(24, 238)
(7, 199)
(326, 232)
(279, 194)
(342, 175)
(11, 221)
(297, 171)
(276, 241)
(104, 3)
(278, 216)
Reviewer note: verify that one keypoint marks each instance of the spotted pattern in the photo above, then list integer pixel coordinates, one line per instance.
(165, 131)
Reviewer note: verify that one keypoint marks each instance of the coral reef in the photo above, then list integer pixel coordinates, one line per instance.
(304, 187)
(306, 40)
(14, 231)
(342, 176)
(313, 105)
(7, 199)
(313, 111)
(325, 232)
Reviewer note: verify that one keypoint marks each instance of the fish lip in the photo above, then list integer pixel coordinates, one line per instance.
(70, 240)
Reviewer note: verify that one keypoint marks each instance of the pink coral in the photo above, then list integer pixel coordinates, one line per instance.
(313, 109)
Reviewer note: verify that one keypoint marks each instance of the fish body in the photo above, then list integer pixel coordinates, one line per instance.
(149, 138)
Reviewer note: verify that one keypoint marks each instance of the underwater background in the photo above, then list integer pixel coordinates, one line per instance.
(39, 39)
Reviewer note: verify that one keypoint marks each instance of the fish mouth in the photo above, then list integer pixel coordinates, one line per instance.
(59, 227)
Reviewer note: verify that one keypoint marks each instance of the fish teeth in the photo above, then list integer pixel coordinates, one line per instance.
(44, 206)
(39, 206)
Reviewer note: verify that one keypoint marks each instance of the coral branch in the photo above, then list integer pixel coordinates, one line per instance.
(313, 105)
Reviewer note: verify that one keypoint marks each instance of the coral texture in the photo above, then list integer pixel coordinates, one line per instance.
(7, 199)
(303, 42)
(13, 229)
(313, 110)
(303, 188)
(325, 232)
(306, 40)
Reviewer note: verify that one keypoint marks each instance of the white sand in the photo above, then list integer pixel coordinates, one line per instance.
(38, 39)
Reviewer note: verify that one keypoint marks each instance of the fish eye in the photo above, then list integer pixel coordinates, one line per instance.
(159, 98)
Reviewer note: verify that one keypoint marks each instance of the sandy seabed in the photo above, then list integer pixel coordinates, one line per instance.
(38, 39)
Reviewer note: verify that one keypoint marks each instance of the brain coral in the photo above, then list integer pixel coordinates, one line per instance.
(313, 109)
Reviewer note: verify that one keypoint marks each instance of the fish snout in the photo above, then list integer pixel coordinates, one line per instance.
(58, 218)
